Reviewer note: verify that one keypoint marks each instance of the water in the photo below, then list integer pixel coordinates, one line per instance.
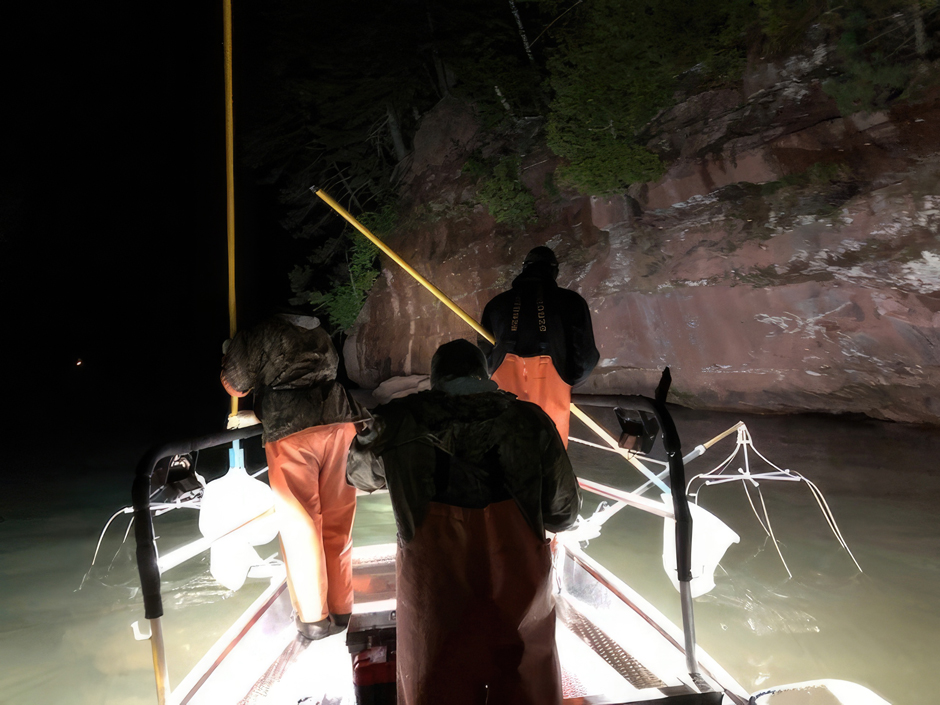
(879, 628)
(60, 645)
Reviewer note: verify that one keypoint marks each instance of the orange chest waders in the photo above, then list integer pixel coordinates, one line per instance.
(315, 509)
(535, 379)
(476, 617)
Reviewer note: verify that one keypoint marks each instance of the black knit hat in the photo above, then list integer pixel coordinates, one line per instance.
(541, 259)
(540, 254)
(458, 358)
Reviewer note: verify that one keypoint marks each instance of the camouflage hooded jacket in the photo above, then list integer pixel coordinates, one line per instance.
(290, 363)
(467, 449)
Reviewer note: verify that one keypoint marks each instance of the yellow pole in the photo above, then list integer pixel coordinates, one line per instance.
(230, 173)
(403, 264)
(442, 297)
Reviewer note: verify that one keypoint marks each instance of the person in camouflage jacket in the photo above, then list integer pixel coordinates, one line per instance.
(308, 422)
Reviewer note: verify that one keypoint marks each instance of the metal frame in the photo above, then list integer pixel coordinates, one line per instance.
(147, 560)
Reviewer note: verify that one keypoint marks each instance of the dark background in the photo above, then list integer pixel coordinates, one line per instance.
(113, 225)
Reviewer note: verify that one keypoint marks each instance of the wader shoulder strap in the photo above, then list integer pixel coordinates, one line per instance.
(539, 329)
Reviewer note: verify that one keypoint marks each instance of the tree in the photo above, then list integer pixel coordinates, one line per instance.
(617, 64)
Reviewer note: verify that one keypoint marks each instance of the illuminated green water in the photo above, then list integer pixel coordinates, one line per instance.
(880, 628)
(61, 646)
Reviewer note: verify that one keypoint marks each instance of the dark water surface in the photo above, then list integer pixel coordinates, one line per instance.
(60, 645)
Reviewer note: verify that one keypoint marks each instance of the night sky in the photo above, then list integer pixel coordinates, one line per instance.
(112, 223)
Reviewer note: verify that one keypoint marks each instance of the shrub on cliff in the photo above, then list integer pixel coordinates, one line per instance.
(342, 296)
(880, 49)
(618, 64)
(501, 191)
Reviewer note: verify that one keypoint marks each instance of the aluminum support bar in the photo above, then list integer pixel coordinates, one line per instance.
(688, 627)
(160, 671)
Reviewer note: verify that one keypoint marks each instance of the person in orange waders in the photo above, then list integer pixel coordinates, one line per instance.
(544, 338)
(475, 478)
(307, 418)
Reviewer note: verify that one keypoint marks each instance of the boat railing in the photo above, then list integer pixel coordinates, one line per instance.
(147, 558)
(680, 505)
(150, 566)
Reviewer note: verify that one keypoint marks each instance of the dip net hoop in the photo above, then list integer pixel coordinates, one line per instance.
(750, 481)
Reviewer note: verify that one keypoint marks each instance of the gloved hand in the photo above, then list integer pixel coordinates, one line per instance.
(241, 420)
(367, 430)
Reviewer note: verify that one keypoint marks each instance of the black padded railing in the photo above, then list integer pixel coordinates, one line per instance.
(143, 519)
(673, 447)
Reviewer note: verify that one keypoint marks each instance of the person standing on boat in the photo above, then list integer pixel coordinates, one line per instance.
(475, 477)
(307, 418)
(544, 338)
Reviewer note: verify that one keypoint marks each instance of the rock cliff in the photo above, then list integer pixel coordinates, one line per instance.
(788, 260)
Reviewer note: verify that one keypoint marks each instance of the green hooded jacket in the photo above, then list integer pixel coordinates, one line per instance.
(467, 445)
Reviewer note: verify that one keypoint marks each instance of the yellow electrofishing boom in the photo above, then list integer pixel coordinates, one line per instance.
(442, 297)
(230, 172)
(403, 264)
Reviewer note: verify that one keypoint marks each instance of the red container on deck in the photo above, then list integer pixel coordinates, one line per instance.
(374, 676)
(370, 639)
(374, 666)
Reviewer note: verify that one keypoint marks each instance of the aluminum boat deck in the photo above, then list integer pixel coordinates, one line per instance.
(613, 646)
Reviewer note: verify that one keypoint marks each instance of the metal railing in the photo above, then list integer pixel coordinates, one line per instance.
(147, 560)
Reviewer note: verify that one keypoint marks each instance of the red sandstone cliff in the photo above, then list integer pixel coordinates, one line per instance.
(789, 259)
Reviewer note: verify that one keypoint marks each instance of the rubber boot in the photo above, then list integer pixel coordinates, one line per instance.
(339, 622)
(313, 630)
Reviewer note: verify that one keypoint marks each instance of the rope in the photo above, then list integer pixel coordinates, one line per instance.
(770, 530)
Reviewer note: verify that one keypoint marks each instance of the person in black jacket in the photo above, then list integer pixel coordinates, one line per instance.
(544, 338)
(475, 477)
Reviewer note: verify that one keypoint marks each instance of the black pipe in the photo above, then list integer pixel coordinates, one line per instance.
(143, 519)
(673, 448)
(680, 503)
(607, 401)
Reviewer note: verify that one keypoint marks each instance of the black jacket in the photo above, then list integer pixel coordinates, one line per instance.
(537, 317)
(468, 448)
(290, 363)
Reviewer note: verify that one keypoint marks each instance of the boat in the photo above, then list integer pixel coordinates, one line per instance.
(615, 647)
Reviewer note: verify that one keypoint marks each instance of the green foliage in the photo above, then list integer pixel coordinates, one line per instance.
(476, 166)
(820, 191)
(618, 64)
(501, 191)
(870, 79)
(818, 175)
(334, 92)
(602, 163)
(343, 298)
(379, 222)
(479, 42)
(549, 185)
(320, 108)
(784, 23)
